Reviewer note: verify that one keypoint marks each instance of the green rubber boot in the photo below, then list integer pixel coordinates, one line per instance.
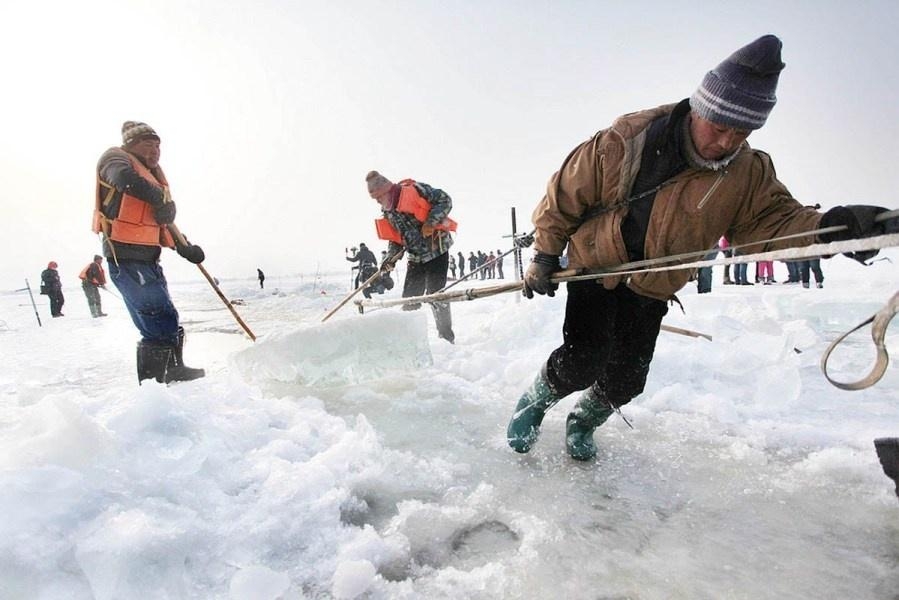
(590, 412)
(524, 428)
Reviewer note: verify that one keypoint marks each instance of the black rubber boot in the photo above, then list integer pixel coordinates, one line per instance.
(164, 363)
(591, 411)
(178, 371)
(524, 427)
(153, 361)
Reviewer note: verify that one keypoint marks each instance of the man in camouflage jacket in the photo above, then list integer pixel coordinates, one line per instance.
(425, 242)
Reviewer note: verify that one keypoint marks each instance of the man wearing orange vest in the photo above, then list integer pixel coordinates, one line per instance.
(93, 277)
(133, 207)
(415, 218)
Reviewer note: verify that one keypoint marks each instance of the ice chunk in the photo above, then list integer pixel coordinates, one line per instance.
(341, 352)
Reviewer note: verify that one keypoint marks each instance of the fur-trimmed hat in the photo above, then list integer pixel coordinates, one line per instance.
(377, 184)
(133, 131)
(740, 92)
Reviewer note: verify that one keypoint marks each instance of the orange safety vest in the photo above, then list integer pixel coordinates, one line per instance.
(101, 281)
(135, 223)
(412, 203)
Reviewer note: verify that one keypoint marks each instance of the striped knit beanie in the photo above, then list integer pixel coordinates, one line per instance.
(133, 131)
(739, 92)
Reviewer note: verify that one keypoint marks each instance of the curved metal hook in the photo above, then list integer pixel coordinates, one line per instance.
(881, 321)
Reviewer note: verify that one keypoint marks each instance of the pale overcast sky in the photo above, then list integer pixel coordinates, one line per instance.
(271, 112)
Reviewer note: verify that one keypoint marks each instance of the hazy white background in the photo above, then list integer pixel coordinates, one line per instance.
(271, 112)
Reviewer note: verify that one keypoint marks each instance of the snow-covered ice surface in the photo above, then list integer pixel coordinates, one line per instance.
(366, 458)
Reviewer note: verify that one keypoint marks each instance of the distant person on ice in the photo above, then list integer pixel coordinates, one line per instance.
(659, 182)
(415, 217)
(261, 277)
(93, 277)
(367, 263)
(368, 266)
(132, 210)
(52, 288)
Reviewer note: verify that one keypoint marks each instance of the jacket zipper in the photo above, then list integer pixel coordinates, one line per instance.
(711, 191)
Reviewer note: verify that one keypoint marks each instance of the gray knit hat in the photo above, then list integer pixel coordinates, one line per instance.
(133, 131)
(377, 184)
(740, 91)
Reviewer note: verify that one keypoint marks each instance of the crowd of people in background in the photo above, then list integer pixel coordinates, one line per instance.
(798, 271)
(488, 265)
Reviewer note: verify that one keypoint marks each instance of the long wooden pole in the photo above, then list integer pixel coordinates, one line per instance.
(484, 292)
(183, 241)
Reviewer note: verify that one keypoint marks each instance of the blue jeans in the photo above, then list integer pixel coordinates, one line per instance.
(813, 265)
(704, 275)
(147, 299)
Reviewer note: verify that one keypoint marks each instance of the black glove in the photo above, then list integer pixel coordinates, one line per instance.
(859, 222)
(536, 278)
(165, 213)
(191, 252)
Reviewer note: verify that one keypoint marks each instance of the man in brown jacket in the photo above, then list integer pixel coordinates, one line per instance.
(657, 183)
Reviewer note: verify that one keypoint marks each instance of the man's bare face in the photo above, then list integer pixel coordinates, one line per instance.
(147, 150)
(384, 198)
(714, 141)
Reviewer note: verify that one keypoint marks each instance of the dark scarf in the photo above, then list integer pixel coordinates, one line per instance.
(663, 157)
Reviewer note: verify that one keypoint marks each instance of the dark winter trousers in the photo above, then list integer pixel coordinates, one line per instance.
(609, 339)
(806, 267)
(427, 278)
(92, 293)
(146, 294)
(56, 302)
(704, 275)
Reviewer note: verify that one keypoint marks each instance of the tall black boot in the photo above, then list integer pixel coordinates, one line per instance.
(153, 361)
(164, 362)
(180, 372)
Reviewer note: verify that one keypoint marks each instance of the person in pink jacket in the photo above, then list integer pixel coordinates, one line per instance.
(725, 248)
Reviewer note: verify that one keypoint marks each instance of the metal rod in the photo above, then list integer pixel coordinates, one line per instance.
(33, 304)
